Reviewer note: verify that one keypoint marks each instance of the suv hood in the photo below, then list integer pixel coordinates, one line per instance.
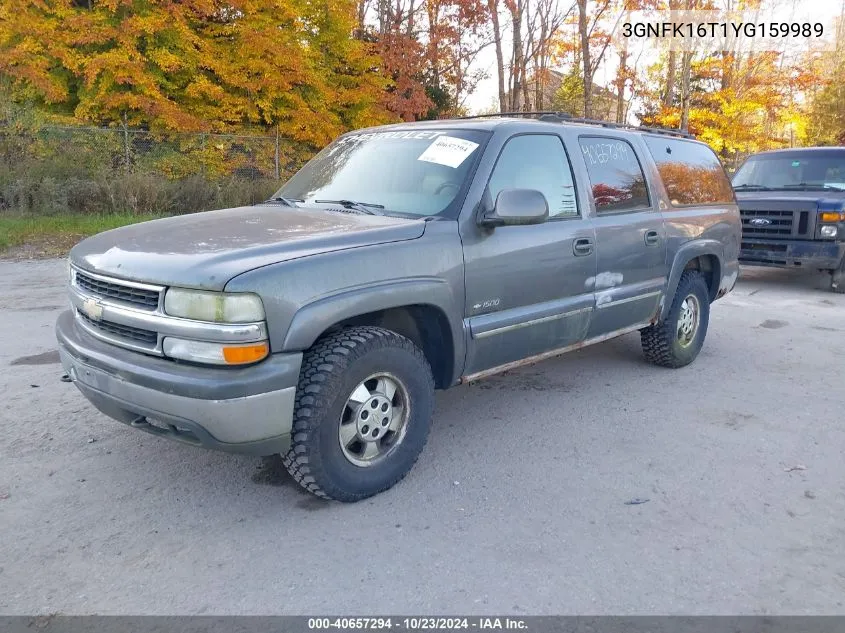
(205, 250)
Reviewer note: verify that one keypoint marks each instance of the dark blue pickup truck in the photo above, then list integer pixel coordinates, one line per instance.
(792, 204)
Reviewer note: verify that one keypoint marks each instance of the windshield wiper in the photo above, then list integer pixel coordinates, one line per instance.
(288, 202)
(754, 187)
(363, 207)
(808, 187)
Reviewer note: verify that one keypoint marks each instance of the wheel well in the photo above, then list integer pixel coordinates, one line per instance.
(425, 325)
(708, 266)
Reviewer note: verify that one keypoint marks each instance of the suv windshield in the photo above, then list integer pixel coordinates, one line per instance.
(823, 170)
(416, 172)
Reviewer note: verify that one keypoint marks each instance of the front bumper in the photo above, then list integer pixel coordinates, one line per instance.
(242, 410)
(791, 253)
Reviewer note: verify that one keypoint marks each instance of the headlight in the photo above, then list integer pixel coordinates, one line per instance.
(828, 231)
(217, 307)
(215, 353)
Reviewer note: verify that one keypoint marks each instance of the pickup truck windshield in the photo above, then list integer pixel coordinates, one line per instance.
(793, 171)
(416, 172)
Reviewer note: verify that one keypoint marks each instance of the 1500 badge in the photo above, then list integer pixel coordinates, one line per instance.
(486, 305)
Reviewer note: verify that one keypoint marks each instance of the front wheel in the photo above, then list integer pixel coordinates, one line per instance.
(363, 410)
(837, 279)
(677, 340)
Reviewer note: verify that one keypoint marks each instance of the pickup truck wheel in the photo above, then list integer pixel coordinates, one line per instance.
(677, 340)
(837, 279)
(362, 414)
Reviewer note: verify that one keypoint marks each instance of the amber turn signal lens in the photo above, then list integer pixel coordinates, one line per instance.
(245, 354)
(827, 216)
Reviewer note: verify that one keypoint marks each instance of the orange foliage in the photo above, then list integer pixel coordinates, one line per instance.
(195, 64)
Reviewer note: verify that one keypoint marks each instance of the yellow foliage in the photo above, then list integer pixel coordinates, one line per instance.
(194, 65)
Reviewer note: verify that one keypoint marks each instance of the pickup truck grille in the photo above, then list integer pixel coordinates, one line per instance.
(784, 224)
(123, 331)
(136, 297)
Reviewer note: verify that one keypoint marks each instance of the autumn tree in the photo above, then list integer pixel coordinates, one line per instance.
(192, 65)
(752, 111)
(591, 37)
(427, 49)
(823, 77)
(292, 64)
(545, 19)
(826, 120)
(456, 32)
(626, 70)
(581, 47)
(493, 9)
(109, 61)
(533, 26)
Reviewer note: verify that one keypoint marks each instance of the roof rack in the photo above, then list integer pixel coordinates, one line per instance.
(565, 117)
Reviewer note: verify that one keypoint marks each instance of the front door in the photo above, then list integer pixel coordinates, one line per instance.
(528, 287)
(630, 236)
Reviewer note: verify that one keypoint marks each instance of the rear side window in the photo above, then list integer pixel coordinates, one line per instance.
(690, 172)
(616, 177)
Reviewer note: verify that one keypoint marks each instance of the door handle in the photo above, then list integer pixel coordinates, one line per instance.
(652, 238)
(582, 246)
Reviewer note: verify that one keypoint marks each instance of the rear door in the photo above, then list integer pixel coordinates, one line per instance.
(527, 286)
(630, 235)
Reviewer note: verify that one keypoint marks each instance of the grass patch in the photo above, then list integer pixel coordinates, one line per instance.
(23, 236)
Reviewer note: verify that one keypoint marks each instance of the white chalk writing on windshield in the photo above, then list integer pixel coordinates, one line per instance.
(409, 135)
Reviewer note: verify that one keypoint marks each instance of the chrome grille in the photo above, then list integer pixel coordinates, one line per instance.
(780, 223)
(129, 295)
(130, 314)
(124, 331)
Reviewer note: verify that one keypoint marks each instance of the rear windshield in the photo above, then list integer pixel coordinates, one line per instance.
(691, 172)
(416, 172)
(797, 171)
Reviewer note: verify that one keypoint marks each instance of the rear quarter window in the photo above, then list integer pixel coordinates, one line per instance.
(691, 172)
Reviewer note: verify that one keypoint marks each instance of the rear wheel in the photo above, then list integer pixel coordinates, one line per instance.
(363, 411)
(677, 340)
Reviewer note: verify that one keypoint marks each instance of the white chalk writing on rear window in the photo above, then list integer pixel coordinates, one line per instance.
(605, 152)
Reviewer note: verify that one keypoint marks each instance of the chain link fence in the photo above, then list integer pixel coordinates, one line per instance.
(55, 169)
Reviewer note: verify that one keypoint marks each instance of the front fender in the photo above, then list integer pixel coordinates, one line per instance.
(305, 297)
(313, 319)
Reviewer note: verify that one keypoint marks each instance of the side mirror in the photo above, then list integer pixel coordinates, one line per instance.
(517, 207)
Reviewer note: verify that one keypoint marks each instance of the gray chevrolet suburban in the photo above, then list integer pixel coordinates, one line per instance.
(399, 260)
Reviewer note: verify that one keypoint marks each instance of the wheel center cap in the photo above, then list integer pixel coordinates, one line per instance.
(373, 418)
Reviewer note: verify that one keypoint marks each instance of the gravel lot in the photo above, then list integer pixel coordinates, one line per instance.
(517, 506)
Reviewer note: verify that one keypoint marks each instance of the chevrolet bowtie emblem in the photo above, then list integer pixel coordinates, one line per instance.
(93, 309)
